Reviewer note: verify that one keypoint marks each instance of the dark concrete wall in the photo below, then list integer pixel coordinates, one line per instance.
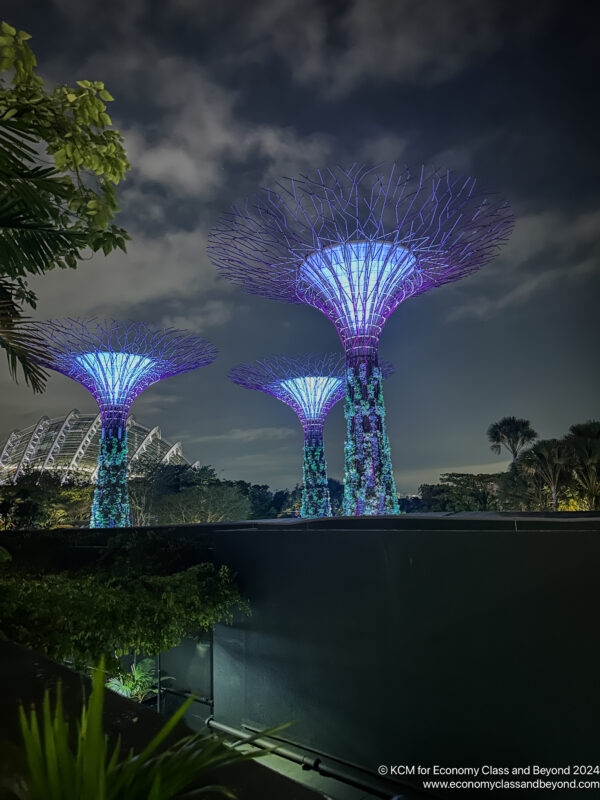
(419, 641)
(457, 640)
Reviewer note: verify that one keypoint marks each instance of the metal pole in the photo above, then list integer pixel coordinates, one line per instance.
(372, 784)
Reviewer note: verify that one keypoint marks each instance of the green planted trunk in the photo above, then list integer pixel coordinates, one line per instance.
(315, 491)
(110, 508)
(369, 488)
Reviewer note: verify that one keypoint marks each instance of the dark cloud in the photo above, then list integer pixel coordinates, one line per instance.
(215, 99)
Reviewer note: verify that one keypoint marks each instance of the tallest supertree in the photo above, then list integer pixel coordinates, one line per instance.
(355, 243)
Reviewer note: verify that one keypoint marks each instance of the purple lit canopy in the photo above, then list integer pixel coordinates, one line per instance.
(356, 243)
(310, 384)
(116, 361)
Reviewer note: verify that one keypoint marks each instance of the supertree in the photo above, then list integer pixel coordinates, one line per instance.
(355, 243)
(115, 361)
(310, 385)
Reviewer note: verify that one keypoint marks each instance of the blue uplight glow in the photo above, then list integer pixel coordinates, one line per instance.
(312, 394)
(356, 281)
(115, 374)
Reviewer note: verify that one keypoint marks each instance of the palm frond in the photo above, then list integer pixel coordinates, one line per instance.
(91, 771)
(15, 144)
(20, 351)
(30, 247)
(37, 232)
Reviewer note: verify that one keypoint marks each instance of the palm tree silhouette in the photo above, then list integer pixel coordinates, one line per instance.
(583, 451)
(511, 433)
(547, 461)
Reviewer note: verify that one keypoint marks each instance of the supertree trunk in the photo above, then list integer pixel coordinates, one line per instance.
(369, 488)
(315, 490)
(110, 508)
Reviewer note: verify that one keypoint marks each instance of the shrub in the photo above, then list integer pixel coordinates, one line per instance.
(83, 617)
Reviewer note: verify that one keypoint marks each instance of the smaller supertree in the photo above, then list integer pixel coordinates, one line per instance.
(310, 385)
(115, 361)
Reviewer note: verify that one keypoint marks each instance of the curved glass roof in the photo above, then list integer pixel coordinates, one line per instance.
(69, 445)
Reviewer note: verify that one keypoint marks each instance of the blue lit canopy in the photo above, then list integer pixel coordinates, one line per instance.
(115, 375)
(309, 383)
(356, 242)
(115, 360)
(311, 394)
(357, 282)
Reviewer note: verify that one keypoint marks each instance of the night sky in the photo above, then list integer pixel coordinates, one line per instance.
(217, 98)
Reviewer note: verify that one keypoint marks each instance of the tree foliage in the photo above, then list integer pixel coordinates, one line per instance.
(83, 616)
(547, 461)
(461, 492)
(582, 450)
(511, 433)
(74, 760)
(215, 502)
(60, 162)
(165, 494)
(41, 501)
(137, 682)
(551, 475)
(159, 494)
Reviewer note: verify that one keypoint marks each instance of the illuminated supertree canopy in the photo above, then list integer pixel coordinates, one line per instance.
(355, 243)
(311, 385)
(115, 361)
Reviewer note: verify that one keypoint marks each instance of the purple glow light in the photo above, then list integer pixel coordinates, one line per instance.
(355, 243)
(311, 394)
(309, 384)
(355, 281)
(115, 374)
(116, 361)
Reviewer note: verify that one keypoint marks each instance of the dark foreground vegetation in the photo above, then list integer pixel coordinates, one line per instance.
(134, 593)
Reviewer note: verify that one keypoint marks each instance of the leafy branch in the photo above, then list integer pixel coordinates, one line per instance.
(60, 163)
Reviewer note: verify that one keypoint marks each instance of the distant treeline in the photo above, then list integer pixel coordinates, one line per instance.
(160, 495)
(544, 474)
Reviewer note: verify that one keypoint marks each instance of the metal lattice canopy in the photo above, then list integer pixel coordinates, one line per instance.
(311, 384)
(357, 242)
(116, 361)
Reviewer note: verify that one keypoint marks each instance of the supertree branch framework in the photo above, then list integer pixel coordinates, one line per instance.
(115, 361)
(355, 243)
(311, 385)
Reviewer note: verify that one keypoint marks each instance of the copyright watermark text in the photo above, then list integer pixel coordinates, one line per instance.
(491, 778)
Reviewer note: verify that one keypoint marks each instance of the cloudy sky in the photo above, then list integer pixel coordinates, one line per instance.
(217, 98)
